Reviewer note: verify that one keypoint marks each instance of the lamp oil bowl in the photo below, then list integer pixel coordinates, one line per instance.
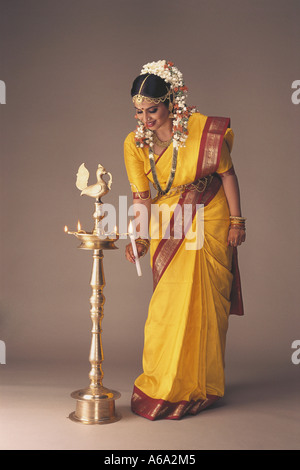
(95, 404)
(92, 241)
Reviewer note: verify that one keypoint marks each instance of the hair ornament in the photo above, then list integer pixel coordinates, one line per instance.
(179, 111)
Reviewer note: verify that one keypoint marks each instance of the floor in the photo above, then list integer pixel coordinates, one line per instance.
(258, 412)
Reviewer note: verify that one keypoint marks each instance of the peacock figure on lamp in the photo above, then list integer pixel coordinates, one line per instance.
(96, 403)
(97, 238)
(97, 190)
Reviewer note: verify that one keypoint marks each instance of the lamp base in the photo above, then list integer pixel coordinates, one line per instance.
(95, 407)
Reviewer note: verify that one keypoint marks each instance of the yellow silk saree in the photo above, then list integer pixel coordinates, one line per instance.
(195, 288)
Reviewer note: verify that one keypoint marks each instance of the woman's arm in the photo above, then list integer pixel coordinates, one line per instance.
(231, 188)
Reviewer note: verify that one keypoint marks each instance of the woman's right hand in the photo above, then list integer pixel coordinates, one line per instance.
(129, 252)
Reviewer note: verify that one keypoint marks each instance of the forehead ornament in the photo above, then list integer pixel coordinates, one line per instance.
(139, 98)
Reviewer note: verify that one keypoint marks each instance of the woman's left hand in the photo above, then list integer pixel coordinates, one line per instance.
(236, 237)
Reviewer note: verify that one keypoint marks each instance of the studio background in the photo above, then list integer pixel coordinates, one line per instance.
(68, 68)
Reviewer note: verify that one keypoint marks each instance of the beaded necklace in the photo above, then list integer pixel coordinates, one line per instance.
(172, 172)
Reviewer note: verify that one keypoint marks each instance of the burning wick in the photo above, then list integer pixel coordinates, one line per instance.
(79, 229)
(137, 261)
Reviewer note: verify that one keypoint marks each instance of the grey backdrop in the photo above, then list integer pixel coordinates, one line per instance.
(68, 68)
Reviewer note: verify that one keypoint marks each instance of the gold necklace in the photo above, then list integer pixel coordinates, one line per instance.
(161, 143)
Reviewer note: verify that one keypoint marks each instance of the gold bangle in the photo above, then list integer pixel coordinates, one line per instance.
(145, 244)
(235, 217)
(143, 241)
(236, 227)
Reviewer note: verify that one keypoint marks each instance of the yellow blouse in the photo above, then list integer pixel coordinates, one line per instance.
(138, 165)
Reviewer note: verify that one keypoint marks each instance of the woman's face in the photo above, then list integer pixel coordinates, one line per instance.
(153, 117)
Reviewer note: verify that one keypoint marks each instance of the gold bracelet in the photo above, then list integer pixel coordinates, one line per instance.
(143, 241)
(236, 227)
(235, 217)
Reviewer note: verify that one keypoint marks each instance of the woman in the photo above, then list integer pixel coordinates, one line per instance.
(186, 155)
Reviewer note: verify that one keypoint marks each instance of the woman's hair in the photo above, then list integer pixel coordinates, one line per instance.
(153, 87)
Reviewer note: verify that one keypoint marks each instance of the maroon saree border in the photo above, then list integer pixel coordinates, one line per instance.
(211, 140)
(236, 297)
(142, 195)
(153, 408)
(229, 172)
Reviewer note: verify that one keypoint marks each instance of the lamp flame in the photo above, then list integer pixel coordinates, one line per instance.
(66, 229)
(78, 226)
